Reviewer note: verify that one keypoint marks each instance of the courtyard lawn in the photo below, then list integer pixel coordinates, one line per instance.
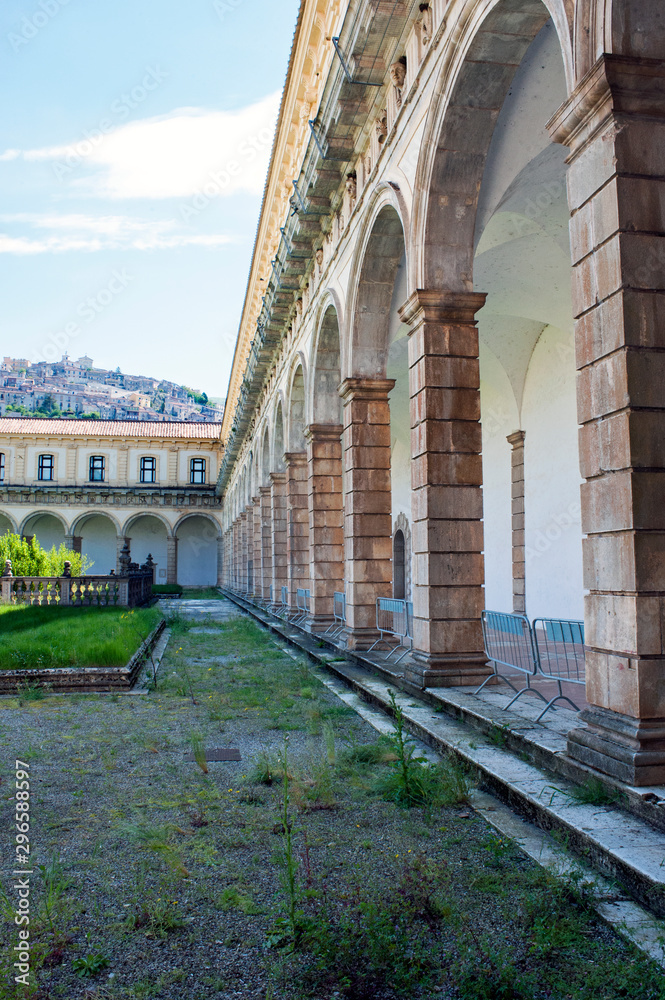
(33, 638)
(160, 877)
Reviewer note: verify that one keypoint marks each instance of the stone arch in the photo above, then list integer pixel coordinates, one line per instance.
(149, 534)
(96, 535)
(402, 574)
(376, 265)
(251, 491)
(279, 439)
(79, 521)
(494, 37)
(326, 366)
(36, 514)
(197, 535)
(7, 523)
(296, 412)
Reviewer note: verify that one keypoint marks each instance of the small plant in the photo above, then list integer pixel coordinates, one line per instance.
(30, 692)
(595, 792)
(90, 965)
(498, 736)
(199, 750)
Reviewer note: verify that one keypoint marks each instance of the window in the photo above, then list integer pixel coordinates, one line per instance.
(148, 470)
(197, 471)
(96, 469)
(45, 467)
(2, 468)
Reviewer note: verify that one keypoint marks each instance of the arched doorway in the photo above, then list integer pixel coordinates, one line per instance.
(48, 529)
(197, 551)
(97, 538)
(148, 535)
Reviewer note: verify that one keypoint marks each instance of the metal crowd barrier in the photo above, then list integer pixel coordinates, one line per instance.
(302, 606)
(555, 650)
(560, 646)
(394, 619)
(283, 607)
(339, 616)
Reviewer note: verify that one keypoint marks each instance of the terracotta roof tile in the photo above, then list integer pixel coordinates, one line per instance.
(112, 428)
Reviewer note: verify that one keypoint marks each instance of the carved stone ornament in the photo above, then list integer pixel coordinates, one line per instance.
(398, 76)
(319, 256)
(381, 126)
(425, 24)
(351, 186)
(8, 568)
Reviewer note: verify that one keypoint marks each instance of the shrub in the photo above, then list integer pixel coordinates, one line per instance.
(166, 588)
(30, 559)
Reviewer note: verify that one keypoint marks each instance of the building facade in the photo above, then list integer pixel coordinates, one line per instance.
(98, 484)
(448, 381)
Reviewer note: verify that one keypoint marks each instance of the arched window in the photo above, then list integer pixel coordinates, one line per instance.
(399, 566)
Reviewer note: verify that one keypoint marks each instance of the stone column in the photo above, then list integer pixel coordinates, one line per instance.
(297, 507)
(121, 541)
(367, 504)
(614, 124)
(248, 549)
(266, 541)
(446, 479)
(171, 559)
(516, 441)
(242, 552)
(278, 514)
(74, 543)
(257, 589)
(221, 563)
(326, 519)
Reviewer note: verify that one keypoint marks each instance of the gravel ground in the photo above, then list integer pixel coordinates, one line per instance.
(173, 876)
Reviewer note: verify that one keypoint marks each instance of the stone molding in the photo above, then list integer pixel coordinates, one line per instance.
(122, 497)
(434, 306)
(365, 388)
(615, 85)
(323, 432)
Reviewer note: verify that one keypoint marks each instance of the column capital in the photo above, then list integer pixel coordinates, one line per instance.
(295, 458)
(323, 432)
(264, 491)
(516, 439)
(366, 388)
(615, 85)
(432, 305)
(256, 500)
(278, 478)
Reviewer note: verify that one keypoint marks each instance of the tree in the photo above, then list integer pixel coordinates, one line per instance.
(30, 559)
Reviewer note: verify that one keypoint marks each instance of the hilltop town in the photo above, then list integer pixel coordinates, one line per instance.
(69, 388)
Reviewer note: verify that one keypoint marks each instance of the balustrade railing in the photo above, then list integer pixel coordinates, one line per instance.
(83, 591)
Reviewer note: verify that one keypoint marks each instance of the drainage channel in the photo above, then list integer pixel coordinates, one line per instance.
(526, 804)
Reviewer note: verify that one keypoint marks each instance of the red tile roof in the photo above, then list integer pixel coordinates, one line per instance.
(193, 430)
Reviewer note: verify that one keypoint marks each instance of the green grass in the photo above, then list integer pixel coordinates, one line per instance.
(34, 638)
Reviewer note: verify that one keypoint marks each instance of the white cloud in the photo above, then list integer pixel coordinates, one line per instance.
(62, 233)
(171, 156)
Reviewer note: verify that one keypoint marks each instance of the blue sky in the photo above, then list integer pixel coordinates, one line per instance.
(135, 140)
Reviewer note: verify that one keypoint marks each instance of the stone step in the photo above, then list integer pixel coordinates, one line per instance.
(618, 843)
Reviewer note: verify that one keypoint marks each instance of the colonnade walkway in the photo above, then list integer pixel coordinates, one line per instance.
(619, 829)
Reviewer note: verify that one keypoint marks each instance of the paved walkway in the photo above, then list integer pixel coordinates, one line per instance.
(205, 610)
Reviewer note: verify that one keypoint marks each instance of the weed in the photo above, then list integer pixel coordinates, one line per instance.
(233, 898)
(498, 735)
(198, 747)
(595, 792)
(90, 965)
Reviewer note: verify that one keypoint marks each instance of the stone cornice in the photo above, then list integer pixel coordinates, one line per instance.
(435, 306)
(299, 103)
(111, 497)
(614, 85)
(365, 388)
(323, 432)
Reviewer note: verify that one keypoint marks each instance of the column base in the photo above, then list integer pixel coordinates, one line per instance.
(630, 750)
(359, 639)
(457, 670)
